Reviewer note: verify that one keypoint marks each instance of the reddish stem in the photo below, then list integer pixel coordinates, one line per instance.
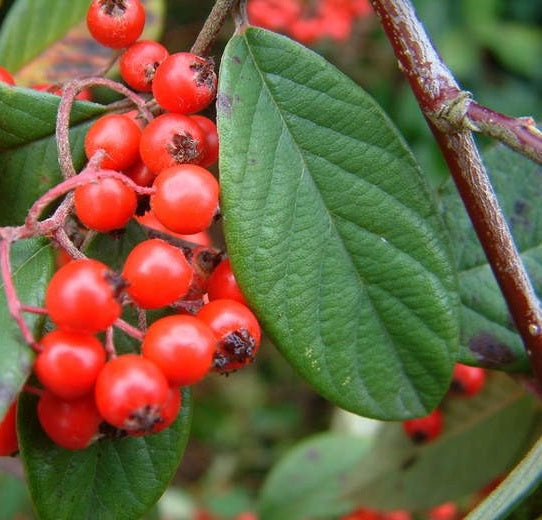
(436, 90)
(132, 331)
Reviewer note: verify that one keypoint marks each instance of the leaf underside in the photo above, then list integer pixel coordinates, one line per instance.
(331, 231)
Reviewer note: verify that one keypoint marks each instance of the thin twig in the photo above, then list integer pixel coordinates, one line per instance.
(434, 86)
(212, 26)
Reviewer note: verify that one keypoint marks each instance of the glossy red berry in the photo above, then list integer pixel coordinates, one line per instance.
(73, 424)
(140, 174)
(467, 380)
(185, 198)
(69, 363)
(118, 136)
(169, 140)
(185, 83)
(182, 346)
(139, 62)
(116, 23)
(6, 77)
(210, 152)
(81, 296)
(424, 429)
(169, 413)
(9, 444)
(156, 273)
(237, 331)
(223, 285)
(105, 204)
(131, 393)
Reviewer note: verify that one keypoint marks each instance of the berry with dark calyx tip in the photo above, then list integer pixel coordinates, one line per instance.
(105, 204)
(467, 380)
(73, 424)
(119, 136)
(185, 83)
(182, 347)
(69, 363)
(116, 23)
(157, 274)
(138, 63)
(169, 413)
(131, 393)
(424, 429)
(185, 199)
(9, 444)
(170, 140)
(237, 331)
(82, 296)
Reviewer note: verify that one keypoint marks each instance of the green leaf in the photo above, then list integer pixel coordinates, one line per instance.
(32, 266)
(308, 481)
(526, 477)
(112, 479)
(483, 437)
(488, 335)
(331, 231)
(28, 152)
(31, 26)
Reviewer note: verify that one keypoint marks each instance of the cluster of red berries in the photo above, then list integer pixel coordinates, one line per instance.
(445, 511)
(306, 21)
(88, 391)
(467, 381)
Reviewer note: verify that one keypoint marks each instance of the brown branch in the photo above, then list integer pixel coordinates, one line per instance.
(436, 90)
(212, 26)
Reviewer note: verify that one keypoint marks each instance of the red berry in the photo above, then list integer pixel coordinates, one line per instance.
(73, 424)
(237, 331)
(467, 380)
(9, 445)
(81, 297)
(105, 204)
(222, 284)
(185, 198)
(210, 151)
(157, 274)
(169, 413)
(116, 23)
(131, 393)
(6, 77)
(184, 83)
(118, 136)
(446, 511)
(84, 95)
(424, 429)
(170, 140)
(69, 363)
(139, 62)
(182, 346)
(140, 174)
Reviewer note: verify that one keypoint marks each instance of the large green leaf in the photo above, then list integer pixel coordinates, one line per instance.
(32, 266)
(483, 436)
(32, 26)
(308, 481)
(331, 231)
(526, 477)
(28, 153)
(488, 335)
(112, 479)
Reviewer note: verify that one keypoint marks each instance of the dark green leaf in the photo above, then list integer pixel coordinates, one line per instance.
(488, 336)
(525, 478)
(483, 437)
(31, 26)
(112, 479)
(308, 481)
(32, 266)
(331, 231)
(29, 159)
